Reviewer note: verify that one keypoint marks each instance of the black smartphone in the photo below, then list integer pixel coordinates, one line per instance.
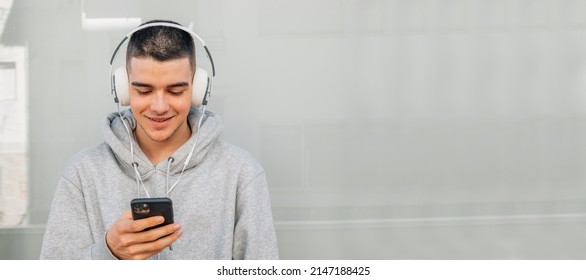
(148, 207)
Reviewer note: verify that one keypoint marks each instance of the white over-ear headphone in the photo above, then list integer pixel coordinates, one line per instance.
(202, 82)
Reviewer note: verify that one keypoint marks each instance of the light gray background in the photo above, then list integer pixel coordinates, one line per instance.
(399, 129)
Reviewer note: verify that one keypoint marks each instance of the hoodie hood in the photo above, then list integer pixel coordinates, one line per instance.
(121, 140)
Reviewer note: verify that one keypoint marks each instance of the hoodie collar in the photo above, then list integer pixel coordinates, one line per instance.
(119, 140)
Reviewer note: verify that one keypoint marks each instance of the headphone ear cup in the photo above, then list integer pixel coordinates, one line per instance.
(121, 86)
(200, 87)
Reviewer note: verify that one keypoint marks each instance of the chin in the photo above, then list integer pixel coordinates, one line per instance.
(158, 137)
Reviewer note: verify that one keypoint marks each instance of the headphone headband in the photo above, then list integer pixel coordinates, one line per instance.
(167, 24)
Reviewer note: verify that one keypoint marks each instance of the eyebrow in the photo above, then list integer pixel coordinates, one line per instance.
(139, 84)
(179, 84)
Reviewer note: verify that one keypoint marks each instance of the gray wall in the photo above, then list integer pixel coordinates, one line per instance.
(399, 129)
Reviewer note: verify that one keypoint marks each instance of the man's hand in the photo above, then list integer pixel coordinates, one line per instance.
(127, 241)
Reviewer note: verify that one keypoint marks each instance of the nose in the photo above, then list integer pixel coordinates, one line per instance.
(159, 103)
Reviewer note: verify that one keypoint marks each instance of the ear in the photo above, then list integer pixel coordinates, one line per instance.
(121, 86)
(200, 87)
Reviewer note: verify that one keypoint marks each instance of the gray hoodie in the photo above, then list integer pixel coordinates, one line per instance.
(221, 201)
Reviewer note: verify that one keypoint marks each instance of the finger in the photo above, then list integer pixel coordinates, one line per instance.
(157, 233)
(131, 239)
(154, 247)
(142, 224)
(148, 249)
(170, 238)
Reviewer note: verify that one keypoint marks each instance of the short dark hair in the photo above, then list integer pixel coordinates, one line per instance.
(161, 43)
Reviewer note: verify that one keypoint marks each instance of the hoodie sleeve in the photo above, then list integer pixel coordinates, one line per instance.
(68, 233)
(254, 231)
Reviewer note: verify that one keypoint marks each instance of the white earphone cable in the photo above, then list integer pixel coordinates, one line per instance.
(188, 159)
(139, 181)
(169, 161)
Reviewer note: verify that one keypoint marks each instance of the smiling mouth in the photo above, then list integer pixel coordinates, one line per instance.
(160, 120)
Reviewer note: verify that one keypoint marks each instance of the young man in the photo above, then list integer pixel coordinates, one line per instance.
(219, 192)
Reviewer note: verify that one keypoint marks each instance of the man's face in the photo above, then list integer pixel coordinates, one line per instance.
(160, 99)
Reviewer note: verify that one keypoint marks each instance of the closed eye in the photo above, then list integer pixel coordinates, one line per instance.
(176, 92)
(178, 88)
(143, 92)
